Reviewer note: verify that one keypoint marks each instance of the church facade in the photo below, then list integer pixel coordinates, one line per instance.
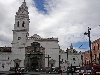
(71, 58)
(30, 52)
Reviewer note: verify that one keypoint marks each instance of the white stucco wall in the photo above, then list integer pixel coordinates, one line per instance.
(51, 49)
(64, 63)
(18, 46)
(75, 62)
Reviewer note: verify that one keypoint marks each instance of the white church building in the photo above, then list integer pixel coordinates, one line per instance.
(71, 58)
(18, 56)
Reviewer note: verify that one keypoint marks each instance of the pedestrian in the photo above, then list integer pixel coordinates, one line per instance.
(60, 72)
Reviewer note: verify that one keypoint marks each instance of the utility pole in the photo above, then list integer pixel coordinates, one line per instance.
(90, 48)
(71, 69)
(59, 62)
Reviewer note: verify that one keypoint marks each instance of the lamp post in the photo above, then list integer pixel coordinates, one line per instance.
(71, 69)
(88, 33)
(68, 67)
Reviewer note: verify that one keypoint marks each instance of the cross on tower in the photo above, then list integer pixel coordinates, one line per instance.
(48, 59)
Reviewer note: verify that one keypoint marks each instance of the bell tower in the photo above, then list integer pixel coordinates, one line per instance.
(22, 18)
(20, 35)
(21, 26)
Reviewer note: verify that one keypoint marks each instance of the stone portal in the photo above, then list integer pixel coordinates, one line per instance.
(34, 57)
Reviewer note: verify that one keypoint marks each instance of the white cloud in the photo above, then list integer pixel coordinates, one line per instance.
(66, 19)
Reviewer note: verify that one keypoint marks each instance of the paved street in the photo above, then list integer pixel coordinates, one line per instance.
(32, 73)
(59, 74)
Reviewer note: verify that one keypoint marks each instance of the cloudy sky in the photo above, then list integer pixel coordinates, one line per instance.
(66, 20)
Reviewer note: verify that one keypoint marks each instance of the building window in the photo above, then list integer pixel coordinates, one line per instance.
(98, 47)
(18, 24)
(94, 48)
(99, 56)
(89, 61)
(85, 61)
(95, 57)
(23, 24)
(3, 65)
(81, 57)
(65, 61)
(74, 62)
(74, 59)
(19, 38)
(8, 58)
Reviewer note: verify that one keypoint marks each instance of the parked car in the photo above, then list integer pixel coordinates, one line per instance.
(88, 72)
(53, 70)
(70, 70)
(77, 70)
(81, 72)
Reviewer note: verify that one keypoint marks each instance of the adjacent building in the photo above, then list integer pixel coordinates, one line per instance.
(5, 58)
(63, 60)
(87, 57)
(96, 51)
(95, 48)
(71, 58)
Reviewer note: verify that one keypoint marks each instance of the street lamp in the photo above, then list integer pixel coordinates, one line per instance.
(68, 68)
(90, 47)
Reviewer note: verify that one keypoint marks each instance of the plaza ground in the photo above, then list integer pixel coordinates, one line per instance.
(32, 73)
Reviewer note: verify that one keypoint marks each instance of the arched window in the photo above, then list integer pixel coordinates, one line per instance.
(23, 24)
(18, 24)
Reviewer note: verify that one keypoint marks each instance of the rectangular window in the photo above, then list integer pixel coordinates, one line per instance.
(59, 56)
(19, 38)
(65, 61)
(89, 61)
(95, 57)
(98, 47)
(85, 61)
(81, 57)
(99, 56)
(94, 48)
(18, 24)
